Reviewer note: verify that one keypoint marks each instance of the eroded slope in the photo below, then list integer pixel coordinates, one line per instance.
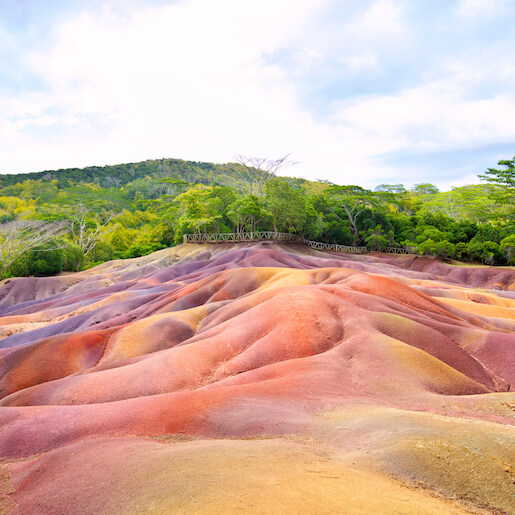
(395, 368)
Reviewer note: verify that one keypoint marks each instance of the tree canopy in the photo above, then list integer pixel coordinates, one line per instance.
(73, 219)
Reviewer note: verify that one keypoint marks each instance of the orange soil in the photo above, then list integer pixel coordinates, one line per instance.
(387, 368)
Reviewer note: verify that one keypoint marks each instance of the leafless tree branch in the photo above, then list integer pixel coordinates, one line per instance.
(21, 236)
(255, 172)
(82, 235)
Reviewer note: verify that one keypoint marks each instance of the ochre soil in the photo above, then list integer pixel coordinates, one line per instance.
(259, 379)
(217, 476)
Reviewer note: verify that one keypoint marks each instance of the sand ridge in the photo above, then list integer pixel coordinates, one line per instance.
(222, 343)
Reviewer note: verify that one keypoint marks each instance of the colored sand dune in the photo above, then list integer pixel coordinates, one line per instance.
(259, 378)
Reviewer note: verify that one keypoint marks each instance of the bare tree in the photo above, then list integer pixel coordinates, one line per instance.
(21, 236)
(255, 172)
(86, 229)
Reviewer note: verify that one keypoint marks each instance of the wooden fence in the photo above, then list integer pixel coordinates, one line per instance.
(335, 247)
(241, 236)
(234, 237)
(397, 250)
(269, 236)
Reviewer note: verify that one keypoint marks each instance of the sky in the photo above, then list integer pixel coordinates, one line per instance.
(356, 91)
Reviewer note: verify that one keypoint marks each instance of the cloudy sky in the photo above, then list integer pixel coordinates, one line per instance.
(358, 91)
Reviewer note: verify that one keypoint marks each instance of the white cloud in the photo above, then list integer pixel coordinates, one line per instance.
(360, 39)
(6, 39)
(184, 81)
(188, 80)
(480, 9)
(383, 18)
(360, 62)
(454, 183)
(431, 117)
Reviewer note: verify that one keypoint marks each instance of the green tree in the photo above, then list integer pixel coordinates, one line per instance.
(425, 188)
(286, 205)
(488, 252)
(440, 249)
(504, 177)
(508, 248)
(354, 201)
(196, 210)
(245, 213)
(377, 239)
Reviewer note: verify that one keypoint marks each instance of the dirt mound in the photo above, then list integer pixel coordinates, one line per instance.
(379, 362)
(223, 476)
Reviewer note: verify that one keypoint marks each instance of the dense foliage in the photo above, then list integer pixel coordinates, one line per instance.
(131, 210)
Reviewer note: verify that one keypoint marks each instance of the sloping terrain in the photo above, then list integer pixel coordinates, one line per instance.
(260, 378)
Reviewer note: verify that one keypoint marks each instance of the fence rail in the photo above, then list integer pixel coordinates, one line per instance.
(398, 250)
(234, 237)
(335, 247)
(269, 236)
(241, 236)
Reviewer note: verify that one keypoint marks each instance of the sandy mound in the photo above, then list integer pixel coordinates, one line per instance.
(225, 476)
(395, 368)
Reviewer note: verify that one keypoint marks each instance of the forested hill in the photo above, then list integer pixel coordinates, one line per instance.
(121, 174)
(75, 218)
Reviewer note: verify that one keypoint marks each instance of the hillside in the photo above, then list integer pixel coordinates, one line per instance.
(261, 378)
(97, 214)
(122, 174)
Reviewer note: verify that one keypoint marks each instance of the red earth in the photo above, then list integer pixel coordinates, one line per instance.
(144, 385)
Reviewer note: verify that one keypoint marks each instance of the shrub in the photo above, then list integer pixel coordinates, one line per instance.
(488, 252)
(439, 249)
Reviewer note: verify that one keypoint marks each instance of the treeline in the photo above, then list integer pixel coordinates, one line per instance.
(88, 217)
(119, 175)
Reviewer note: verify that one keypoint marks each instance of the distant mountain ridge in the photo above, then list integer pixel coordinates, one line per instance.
(121, 174)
